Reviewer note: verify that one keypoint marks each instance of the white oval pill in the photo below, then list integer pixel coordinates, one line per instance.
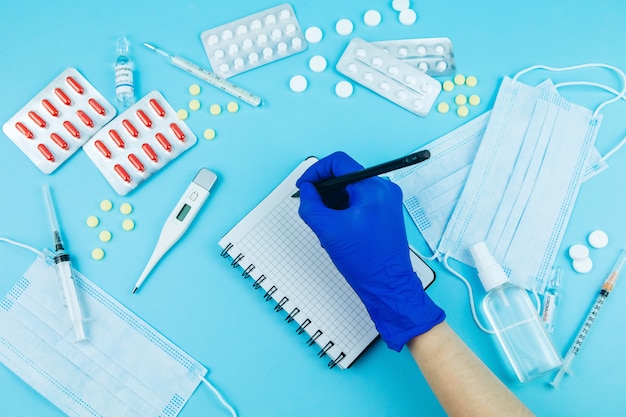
(298, 83)
(344, 89)
(317, 63)
(372, 18)
(578, 252)
(399, 5)
(407, 17)
(598, 239)
(313, 34)
(344, 27)
(582, 266)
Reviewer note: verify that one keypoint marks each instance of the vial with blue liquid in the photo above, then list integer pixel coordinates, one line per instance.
(124, 85)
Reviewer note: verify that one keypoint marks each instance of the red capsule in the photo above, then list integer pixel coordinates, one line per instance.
(85, 118)
(50, 107)
(56, 138)
(102, 148)
(144, 118)
(160, 137)
(96, 106)
(75, 85)
(37, 119)
(21, 127)
(150, 152)
(62, 96)
(117, 139)
(72, 129)
(178, 132)
(136, 162)
(45, 152)
(130, 128)
(157, 107)
(122, 172)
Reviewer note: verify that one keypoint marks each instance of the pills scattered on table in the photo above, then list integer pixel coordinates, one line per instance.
(106, 205)
(407, 17)
(215, 109)
(298, 83)
(92, 221)
(471, 81)
(460, 99)
(317, 63)
(582, 266)
(474, 100)
(232, 107)
(194, 104)
(97, 254)
(462, 111)
(344, 27)
(578, 252)
(344, 89)
(128, 224)
(459, 79)
(313, 34)
(126, 208)
(209, 134)
(443, 107)
(194, 89)
(182, 114)
(598, 239)
(372, 18)
(105, 236)
(448, 86)
(399, 5)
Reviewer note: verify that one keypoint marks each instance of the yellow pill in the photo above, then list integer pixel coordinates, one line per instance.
(462, 111)
(448, 86)
(194, 89)
(209, 134)
(232, 107)
(128, 224)
(471, 81)
(461, 100)
(215, 109)
(459, 79)
(105, 236)
(126, 208)
(182, 114)
(194, 104)
(97, 254)
(474, 100)
(106, 205)
(443, 108)
(92, 221)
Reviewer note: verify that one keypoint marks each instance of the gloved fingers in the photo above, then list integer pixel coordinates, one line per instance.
(334, 165)
(375, 190)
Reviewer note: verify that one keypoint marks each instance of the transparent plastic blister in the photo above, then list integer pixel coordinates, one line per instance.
(53, 125)
(139, 142)
(389, 77)
(253, 41)
(433, 56)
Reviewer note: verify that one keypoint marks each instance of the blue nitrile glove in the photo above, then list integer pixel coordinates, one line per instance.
(367, 242)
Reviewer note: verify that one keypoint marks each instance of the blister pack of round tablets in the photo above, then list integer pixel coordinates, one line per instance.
(433, 56)
(59, 120)
(253, 41)
(389, 77)
(139, 142)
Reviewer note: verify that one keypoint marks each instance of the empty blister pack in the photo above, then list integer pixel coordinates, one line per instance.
(433, 56)
(253, 41)
(139, 142)
(59, 120)
(389, 77)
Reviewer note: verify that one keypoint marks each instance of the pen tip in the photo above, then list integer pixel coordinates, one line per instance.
(135, 290)
(296, 194)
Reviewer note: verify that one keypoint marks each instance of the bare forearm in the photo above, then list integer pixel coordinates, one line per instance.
(459, 379)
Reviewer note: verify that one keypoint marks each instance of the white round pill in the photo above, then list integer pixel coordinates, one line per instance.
(298, 83)
(372, 18)
(399, 5)
(313, 34)
(290, 29)
(317, 63)
(582, 266)
(344, 89)
(578, 251)
(344, 27)
(407, 17)
(281, 47)
(213, 39)
(598, 239)
(296, 43)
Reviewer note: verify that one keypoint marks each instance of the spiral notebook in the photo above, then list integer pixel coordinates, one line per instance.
(281, 256)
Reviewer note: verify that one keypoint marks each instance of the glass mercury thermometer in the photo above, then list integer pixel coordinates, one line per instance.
(180, 218)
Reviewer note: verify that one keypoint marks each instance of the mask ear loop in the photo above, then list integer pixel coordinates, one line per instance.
(233, 413)
(21, 245)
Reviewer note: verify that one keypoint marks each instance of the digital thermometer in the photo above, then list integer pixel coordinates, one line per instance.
(180, 218)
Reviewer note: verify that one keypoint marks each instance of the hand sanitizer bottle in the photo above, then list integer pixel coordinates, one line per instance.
(514, 319)
(124, 86)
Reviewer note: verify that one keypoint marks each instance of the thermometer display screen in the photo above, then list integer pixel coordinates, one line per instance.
(183, 212)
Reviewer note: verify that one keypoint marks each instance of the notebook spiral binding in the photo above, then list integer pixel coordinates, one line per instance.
(235, 263)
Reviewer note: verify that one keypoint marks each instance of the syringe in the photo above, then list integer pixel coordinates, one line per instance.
(211, 78)
(64, 271)
(607, 287)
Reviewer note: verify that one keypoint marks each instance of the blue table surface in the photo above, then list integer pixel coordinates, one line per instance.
(194, 297)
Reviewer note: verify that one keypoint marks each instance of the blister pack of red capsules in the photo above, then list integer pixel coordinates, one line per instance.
(59, 120)
(139, 142)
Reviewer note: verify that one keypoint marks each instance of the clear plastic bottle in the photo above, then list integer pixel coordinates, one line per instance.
(124, 85)
(514, 320)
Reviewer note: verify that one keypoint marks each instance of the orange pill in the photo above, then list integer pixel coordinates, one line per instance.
(130, 128)
(165, 144)
(72, 129)
(102, 148)
(62, 96)
(75, 85)
(157, 107)
(122, 172)
(178, 132)
(50, 107)
(117, 139)
(85, 118)
(60, 142)
(144, 118)
(136, 162)
(150, 152)
(96, 106)
(21, 127)
(37, 119)
(45, 152)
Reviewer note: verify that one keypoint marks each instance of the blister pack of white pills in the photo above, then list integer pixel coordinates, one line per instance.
(389, 77)
(253, 41)
(433, 56)
(139, 142)
(59, 120)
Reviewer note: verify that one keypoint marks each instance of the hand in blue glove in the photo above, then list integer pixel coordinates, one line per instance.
(364, 235)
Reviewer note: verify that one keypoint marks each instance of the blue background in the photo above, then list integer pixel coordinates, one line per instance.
(194, 297)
